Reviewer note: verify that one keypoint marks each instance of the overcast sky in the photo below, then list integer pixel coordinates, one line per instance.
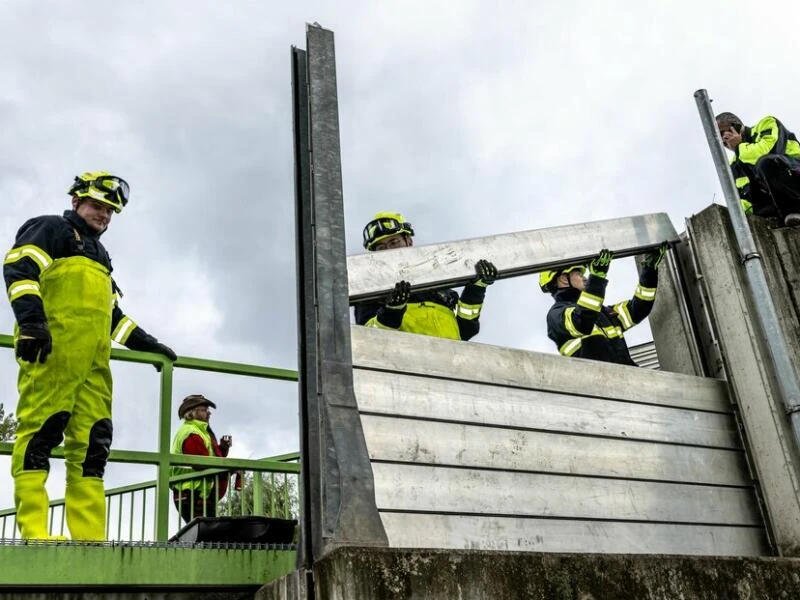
(469, 119)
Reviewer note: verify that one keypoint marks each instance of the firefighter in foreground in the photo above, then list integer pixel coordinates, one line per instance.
(766, 166)
(58, 277)
(581, 325)
(199, 497)
(439, 313)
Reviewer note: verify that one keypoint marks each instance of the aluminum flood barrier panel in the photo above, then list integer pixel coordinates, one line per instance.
(483, 447)
(519, 253)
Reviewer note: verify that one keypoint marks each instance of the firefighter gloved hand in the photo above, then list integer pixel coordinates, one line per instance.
(147, 343)
(34, 342)
(653, 258)
(486, 273)
(399, 296)
(599, 266)
(165, 350)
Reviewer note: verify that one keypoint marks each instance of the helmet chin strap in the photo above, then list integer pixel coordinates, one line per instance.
(569, 281)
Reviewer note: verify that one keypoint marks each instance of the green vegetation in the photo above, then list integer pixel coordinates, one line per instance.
(8, 425)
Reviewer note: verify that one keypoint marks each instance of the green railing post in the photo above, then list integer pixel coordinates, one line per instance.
(162, 478)
(258, 494)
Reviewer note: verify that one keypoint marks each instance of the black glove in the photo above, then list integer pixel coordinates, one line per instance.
(599, 266)
(486, 273)
(165, 350)
(653, 258)
(147, 343)
(398, 297)
(34, 342)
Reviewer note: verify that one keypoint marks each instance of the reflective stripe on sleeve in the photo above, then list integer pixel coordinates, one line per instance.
(470, 312)
(123, 330)
(36, 254)
(570, 324)
(590, 301)
(624, 314)
(571, 347)
(23, 287)
(644, 293)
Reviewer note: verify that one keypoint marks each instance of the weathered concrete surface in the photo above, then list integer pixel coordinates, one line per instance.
(205, 594)
(291, 587)
(767, 432)
(780, 249)
(383, 574)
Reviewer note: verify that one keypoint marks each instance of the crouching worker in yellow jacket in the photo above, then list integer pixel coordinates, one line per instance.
(58, 278)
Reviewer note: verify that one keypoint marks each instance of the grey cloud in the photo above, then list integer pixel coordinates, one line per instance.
(471, 122)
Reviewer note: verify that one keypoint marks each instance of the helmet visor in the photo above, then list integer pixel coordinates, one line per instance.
(116, 189)
(382, 228)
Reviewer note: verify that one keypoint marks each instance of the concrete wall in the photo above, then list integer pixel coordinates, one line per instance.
(204, 593)
(765, 428)
(384, 574)
(781, 251)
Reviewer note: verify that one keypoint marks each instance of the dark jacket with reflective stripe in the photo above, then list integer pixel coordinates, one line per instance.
(57, 237)
(767, 137)
(582, 326)
(471, 298)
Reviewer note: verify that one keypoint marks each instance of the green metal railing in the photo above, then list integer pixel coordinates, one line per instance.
(162, 458)
(281, 502)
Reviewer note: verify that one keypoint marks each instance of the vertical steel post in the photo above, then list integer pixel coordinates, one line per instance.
(310, 454)
(785, 376)
(338, 496)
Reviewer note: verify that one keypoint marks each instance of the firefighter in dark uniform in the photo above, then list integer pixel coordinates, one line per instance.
(439, 313)
(766, 166)
(581, 325)
(58, 278)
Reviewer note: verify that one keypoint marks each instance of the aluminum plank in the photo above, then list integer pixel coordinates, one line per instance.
(414, 488)
(372, 274)
(556, 535)
(435, 443)
(445, 399)
(449, 359)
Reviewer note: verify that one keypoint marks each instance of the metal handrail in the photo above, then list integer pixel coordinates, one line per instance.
(163, 458)
(266, 465)
(140, 489)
